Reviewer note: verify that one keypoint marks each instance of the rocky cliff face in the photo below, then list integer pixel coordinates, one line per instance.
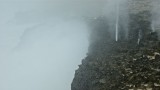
(122, 65)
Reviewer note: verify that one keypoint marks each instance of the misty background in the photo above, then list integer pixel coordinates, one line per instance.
(42, 42)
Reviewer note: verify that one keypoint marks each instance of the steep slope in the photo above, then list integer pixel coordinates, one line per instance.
(120, 66)
(131, 64)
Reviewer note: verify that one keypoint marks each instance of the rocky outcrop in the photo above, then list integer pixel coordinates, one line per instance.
(122, 65)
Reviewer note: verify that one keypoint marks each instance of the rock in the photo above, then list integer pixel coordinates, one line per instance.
(122, 65)
(103, 81)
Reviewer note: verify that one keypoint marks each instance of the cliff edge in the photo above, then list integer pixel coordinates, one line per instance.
(127, 64)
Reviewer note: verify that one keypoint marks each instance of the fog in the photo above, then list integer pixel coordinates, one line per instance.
(42, 42)
(155, 16)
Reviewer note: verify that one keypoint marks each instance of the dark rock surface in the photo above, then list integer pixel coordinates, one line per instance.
(120, 66)
(125, 64)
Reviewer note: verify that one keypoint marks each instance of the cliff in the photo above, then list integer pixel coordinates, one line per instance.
(121, 65)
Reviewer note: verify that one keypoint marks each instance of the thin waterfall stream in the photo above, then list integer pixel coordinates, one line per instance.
(117, 20)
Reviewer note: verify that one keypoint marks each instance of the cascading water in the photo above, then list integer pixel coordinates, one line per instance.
(117, 20)
(153, 27)
(139, 37)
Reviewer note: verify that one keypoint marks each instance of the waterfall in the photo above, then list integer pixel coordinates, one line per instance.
(153, 27)
(138, 41)
(117, 21)
(139, 37)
